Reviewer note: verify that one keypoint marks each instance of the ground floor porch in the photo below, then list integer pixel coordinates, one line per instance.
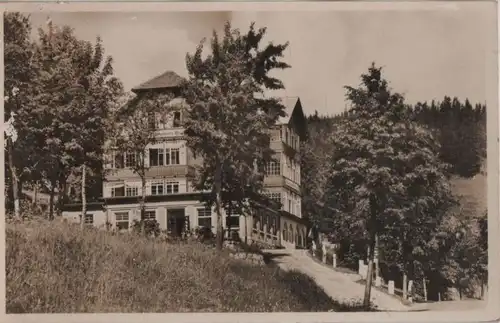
(183, 215)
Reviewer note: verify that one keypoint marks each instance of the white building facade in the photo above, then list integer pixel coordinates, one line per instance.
(176, 205)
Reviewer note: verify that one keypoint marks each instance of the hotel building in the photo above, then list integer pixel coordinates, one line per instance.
(170, 196)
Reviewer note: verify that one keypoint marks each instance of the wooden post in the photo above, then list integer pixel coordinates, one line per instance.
(390, 287)
(410, 287)
(361, 264)
(425, 289)
(405, 285)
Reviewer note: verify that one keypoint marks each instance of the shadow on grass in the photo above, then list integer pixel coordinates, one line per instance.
(306, 289)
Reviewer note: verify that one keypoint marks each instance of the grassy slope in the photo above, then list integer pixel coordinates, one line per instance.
(58, 269)
(472, 191)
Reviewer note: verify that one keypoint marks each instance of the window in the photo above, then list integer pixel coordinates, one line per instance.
(130, 160)
(172, 187)
(273, 168)
(233, 221)
(149, 215)
(157, 188)
(177, 119)
(172, 156)
(118, 191)
(204, 217)
(156, 157)
(122, 220)
(118, 160)
(89, 219)
(284, 198)
(275, 135)
(131, 191)
(276, 197)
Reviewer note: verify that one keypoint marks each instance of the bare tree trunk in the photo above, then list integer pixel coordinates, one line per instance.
(35, 195)
(218, 206)
(15, 182)
(369, 274)
(51, 200)
(84, 197)
(373, 233)
(377, 255)
(143, 202)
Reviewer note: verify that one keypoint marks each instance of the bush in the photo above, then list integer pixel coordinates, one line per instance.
(204, 234)
(55, 268)
(151, 227)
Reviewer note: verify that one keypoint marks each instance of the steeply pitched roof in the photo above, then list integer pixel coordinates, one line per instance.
(169, 79)
(290, 102)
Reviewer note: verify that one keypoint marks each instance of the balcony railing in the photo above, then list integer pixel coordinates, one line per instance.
(152, 172)
(117, 190)
(265, 237)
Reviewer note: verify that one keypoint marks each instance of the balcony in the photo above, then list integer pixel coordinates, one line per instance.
(170, 133)
(116, 193)
(281, 181)
(152, 172)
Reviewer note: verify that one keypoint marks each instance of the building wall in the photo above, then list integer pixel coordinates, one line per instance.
(99, 217)
(293, 233)
(283, 140)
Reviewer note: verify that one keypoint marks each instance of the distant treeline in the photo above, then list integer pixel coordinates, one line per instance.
(459, 126)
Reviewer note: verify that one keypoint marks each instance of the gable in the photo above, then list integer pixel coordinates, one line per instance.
(295, 117)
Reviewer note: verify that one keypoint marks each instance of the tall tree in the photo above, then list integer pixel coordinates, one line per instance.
(229, 117)
(77, 90)
(136, 132)
(19, 89)
(379, 158)
(95, 96)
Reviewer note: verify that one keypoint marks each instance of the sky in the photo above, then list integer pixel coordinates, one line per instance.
(425, 54)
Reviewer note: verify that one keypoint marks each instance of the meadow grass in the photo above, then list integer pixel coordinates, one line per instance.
(55, 267)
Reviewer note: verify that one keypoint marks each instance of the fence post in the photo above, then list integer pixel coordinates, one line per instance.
(391, 287)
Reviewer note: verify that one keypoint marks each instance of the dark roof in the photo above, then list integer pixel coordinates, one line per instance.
(169, 79)
(290, 103)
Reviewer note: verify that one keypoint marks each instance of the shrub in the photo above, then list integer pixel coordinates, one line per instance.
(54, 268)
(151, 227)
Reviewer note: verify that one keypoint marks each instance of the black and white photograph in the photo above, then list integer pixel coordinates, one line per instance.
(268, 159)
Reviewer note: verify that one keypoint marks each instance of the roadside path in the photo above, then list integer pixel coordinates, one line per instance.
(339, 286)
